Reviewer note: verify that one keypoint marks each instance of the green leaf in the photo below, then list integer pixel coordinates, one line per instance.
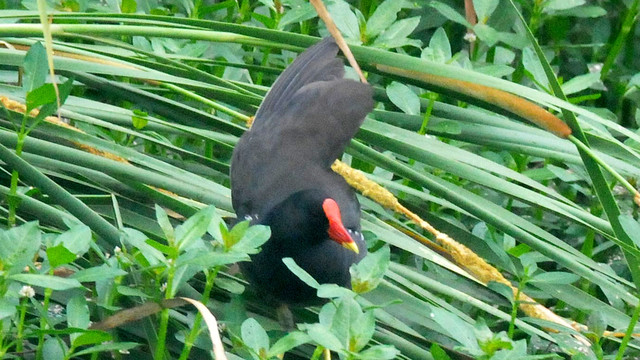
(379, 352)
(362, 330)
(35, 68)
(131, 291)
(231, 238)
(64, 90)
(102, 272)
(91, 337)
(552, 5)
(8, 307)
(484, 9)
(18, 246)
(54, 349)
(138, 240)
(139, 122)
(107, 347)
(300, 272)
(128, 6)
(397, 34)
(347, 313)
(328, 291)
(254, 237)
(323, 337)
(47, 281)
(532, 64)
(211, 259)
(597, 323)
(254, 336)
(345, 20)
(193, 229)
(580, 83)
(78, 312)
(450, 13)
(555, 277)
(299, 12)
(45, 94)
(59, 255)
(438, 353)
(367, 274)
(288, 342)
(439, 43)
(502, 289)
(631, 227)
(384, 15)
(402, 97)
(77, 239)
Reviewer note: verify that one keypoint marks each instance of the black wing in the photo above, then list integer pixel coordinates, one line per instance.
(303, 125)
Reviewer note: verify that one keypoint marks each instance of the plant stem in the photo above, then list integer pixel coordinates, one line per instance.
(164, 315)
(13, 190)
(629, 332)
(43, 323)
(514, 312)
(195, 330)
(627, 25)
(23, 311)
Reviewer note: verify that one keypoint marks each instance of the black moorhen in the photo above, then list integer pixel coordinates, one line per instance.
(281, 176)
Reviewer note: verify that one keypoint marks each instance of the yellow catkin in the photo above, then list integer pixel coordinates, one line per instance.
(461, 254)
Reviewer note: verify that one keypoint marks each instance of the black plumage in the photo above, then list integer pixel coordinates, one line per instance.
(281, 176)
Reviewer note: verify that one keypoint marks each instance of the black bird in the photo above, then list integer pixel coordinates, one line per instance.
(281, 176)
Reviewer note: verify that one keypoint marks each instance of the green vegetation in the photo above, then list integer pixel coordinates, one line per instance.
(119, 203)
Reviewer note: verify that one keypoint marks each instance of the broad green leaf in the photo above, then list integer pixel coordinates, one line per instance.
(121, 346)
(402, 97)
(288, 342)
(562, 4)
(345, 20)
(379, 352)
(533, 66)
(254, 336)
(555, 277)
(397, 34)
(78, 312)
(484, 8)
(254, 237)
(362, 330)
(580, 82)
(102, 272)
(47, 281)
(91, 337)
(131, 291)
(165, 224)
(54, 349)
(450, 13)
(77, 239)
(298, 13)
(440, 44)
(322, 336)
(7, 307)
(35, 68)
(18, 246)
(631, 227)
(45, 94)
(193, 229)
(367, 274)
(384, 15)
(59, 255)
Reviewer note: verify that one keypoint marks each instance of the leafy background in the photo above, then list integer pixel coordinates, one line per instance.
(156, 94)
